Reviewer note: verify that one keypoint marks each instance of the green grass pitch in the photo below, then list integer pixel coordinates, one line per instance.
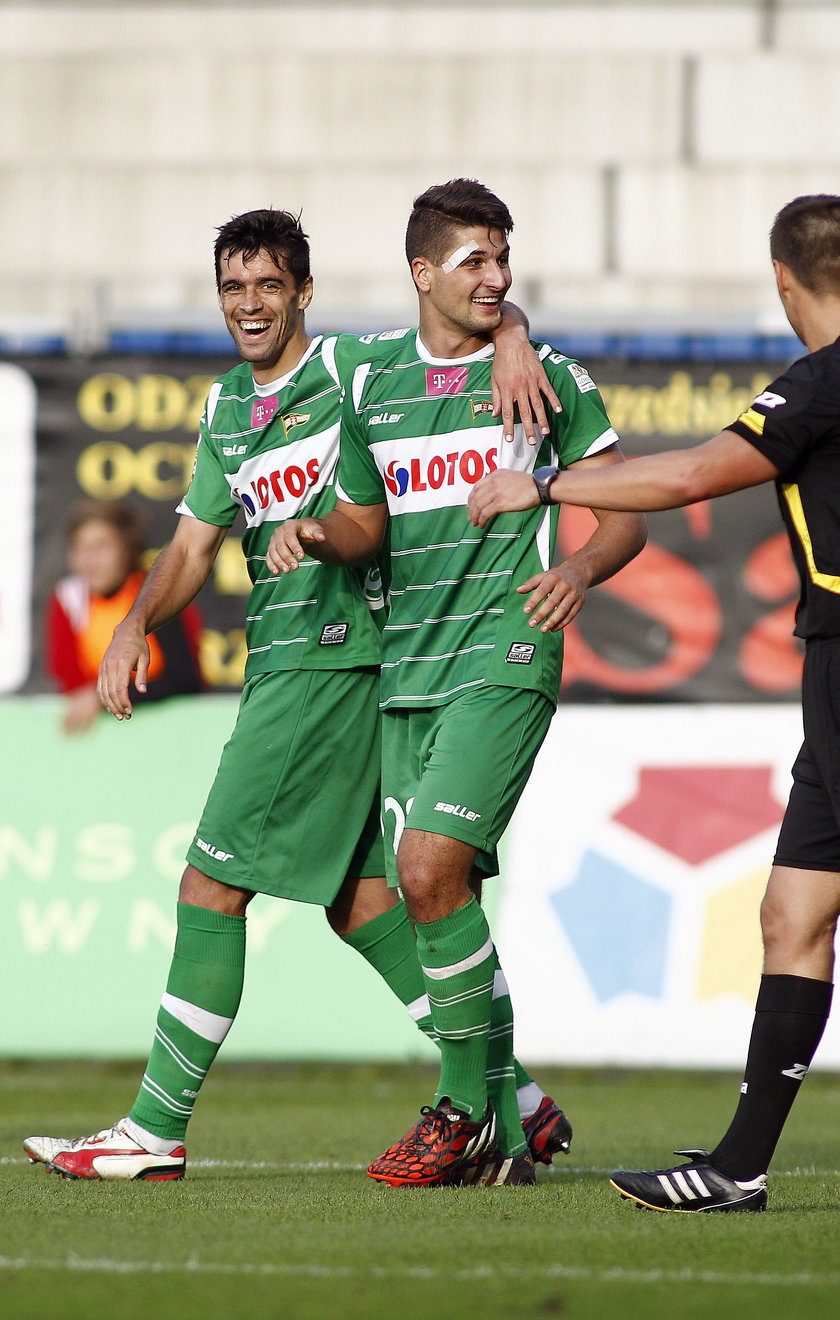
(276, 1217)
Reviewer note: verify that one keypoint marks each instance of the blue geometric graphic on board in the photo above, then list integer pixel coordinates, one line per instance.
(617, 924)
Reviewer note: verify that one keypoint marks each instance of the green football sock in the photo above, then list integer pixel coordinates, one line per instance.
(458, 960)
(501, 1069)
(388, 943)
(196, 1013)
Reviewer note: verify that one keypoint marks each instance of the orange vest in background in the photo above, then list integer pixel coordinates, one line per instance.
(103, 615)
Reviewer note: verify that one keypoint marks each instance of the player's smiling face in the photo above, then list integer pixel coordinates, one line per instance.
(469, 298)
(263, 310)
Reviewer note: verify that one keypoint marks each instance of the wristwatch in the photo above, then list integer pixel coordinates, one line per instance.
(543, 478)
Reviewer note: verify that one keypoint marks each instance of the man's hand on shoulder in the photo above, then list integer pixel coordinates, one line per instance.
(519, 380)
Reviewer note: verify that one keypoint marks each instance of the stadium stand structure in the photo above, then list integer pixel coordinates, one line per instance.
(644, 147)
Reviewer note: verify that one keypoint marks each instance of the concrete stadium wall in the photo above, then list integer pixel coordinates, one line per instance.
(643, 148)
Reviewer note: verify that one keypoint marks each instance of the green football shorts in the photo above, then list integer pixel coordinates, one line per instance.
(460, 769)
(294, 807)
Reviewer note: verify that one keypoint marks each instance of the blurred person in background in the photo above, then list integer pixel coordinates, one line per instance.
(105, 542)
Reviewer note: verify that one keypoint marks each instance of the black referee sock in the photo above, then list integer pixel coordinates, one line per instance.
(790, 1017)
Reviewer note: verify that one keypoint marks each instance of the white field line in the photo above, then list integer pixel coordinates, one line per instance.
(329, 1166)
(193, 1265)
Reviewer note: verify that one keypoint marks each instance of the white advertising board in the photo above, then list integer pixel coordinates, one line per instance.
(635, 864)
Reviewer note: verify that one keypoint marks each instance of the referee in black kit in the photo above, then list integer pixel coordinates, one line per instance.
(791, 435)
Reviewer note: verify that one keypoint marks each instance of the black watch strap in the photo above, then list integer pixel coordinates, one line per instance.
(543, 478)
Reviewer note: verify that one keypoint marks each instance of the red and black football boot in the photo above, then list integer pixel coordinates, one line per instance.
(444, 1141)
(547, 1131)
(493, 1169)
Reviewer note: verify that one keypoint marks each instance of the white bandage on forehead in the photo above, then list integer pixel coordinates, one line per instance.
(460, 254)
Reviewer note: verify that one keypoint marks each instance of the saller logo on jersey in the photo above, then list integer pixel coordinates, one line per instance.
(520, 653)
(213, 851)
(455, 809)
(333, 634)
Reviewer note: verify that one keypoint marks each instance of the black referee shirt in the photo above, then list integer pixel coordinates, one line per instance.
(795, 423)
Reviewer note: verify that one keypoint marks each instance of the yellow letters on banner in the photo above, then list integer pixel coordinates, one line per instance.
(110, 401)
(110, 469)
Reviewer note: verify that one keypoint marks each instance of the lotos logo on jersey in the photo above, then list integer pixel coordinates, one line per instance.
(438, 471)
(446, 380)
(282, 483)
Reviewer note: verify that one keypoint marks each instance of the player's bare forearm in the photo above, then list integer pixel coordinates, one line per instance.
(350, 534)
(175, 578)
(669, 480)
(617, 539)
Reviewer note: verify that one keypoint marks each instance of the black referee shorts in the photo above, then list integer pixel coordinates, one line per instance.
(810, 835)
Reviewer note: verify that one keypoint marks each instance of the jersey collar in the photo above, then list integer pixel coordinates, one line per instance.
(275, 386)
(425, 356)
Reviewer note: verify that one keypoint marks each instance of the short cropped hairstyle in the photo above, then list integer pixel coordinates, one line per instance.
(278, 233)
(127, 520)
(806, 237)
(442, 209)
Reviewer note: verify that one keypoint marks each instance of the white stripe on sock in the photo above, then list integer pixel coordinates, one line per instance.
(181, 1059)
(500, 985)
(162, 1097)
(210, 1026)
(465, 964)
(446, 1001)
(419, 1008)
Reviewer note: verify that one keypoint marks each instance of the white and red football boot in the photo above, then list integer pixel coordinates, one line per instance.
(112, 1153)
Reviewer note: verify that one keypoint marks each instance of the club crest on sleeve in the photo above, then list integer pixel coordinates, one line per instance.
(582, 378)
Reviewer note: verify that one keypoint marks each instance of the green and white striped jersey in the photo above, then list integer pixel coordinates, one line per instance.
(271, 451)
(418, 432)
